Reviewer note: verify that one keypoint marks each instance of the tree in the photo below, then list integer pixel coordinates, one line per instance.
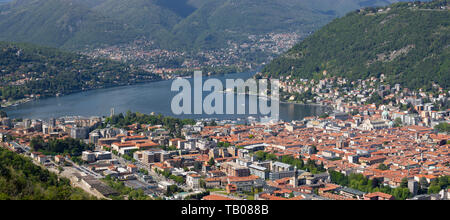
(375, 183)
(260, 155)
(178, 179)
(223, 144)
(172, 189)
(291, 195)
(70, 146)
(401, 193)
(397, 122)
(314, 149)
(3, 114)
(211, 161)
(37, 143)
(433, 189)
(443, 127)
(321, 167)
(197, 166)
(404, 183)
(423, 182)
(444, 182)
(143, 171)
(324, 115)
(271, 157)
(383, 166)
(202, 183)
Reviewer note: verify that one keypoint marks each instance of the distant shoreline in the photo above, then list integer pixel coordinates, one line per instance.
(19, 102)
(28, 110)
(284, 102)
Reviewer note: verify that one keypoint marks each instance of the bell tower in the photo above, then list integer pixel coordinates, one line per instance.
(295, 178)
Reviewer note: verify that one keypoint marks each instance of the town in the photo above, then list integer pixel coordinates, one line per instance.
(253, 52)
(378, 143)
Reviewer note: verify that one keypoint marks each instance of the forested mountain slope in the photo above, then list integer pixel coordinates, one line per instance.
(27, 70)
(408, 43)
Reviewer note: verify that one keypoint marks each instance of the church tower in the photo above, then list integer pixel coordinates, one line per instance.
(295, 178)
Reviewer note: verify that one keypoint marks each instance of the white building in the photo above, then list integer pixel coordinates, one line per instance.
(193, 180)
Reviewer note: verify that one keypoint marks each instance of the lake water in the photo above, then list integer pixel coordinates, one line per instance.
(145, 98)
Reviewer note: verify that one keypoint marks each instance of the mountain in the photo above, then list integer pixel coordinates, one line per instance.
(28, 70)
(60, 23)
(144, 15)
(408, 43)
(186, 24)
(151, 19)
(219, 20)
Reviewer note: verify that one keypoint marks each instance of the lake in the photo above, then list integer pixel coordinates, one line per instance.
(145, 98)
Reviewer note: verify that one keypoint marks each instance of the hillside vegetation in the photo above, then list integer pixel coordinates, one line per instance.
(20, 179)
(408, 43)
(27, 70)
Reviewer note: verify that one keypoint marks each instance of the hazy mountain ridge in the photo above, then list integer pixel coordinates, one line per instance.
(59, 23)
(187, 24)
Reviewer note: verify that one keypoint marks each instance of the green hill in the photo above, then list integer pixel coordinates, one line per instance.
(173, 24)
(21, 179)
(27, 70)
(407, 43)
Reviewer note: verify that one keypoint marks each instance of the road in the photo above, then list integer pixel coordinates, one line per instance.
(84, 169)
(155, 176)
(79, 168)
(23, 147)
